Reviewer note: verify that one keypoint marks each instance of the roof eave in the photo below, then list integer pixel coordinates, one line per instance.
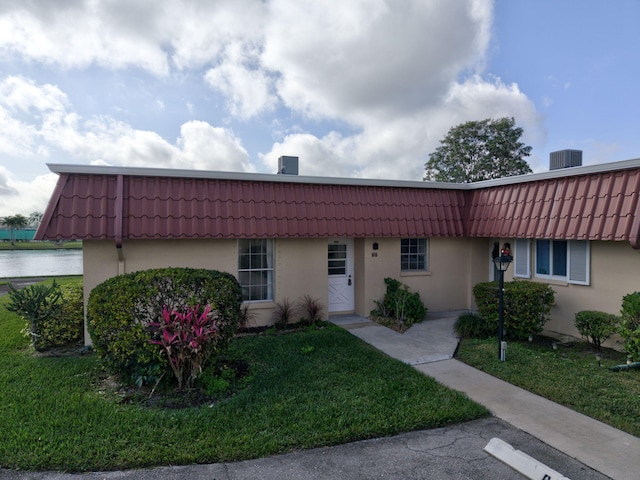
(60, 168)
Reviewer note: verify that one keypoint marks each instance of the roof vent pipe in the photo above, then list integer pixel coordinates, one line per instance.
(288, 165)
(565, 159)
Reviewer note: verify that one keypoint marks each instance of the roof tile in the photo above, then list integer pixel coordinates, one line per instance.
(595, 206)
(166, 207)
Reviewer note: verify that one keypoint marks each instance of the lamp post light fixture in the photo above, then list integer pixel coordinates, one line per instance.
(502, 264)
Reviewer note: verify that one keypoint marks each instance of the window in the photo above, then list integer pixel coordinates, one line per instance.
(551, 258)
(337, 259)
(255, 269)
(563, 260)
(413, 254)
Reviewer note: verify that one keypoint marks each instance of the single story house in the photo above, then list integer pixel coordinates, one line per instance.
(336, 239)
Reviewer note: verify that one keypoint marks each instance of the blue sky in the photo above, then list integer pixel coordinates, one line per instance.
(365, 88)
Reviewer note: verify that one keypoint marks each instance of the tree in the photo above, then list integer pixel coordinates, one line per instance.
(479, 150)
(35, 218)
(14, 223)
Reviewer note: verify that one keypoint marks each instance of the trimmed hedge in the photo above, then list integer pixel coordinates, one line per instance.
(596, 326)
(527, 306)
(630, 324)
(120, 309)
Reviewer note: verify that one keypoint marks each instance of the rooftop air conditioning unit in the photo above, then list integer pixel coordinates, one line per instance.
(288, 165)
(565, 159)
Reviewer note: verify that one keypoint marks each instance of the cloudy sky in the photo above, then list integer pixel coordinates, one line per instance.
(358, 88)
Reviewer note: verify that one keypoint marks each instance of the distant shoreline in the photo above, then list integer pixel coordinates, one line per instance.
(71, 245)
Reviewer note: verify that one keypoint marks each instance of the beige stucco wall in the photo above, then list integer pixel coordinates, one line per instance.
(300, 265)
(454, 264)
(615, 268)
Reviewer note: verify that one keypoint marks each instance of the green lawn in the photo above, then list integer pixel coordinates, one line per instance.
(40, 245)
(308, 389)
(569, 375)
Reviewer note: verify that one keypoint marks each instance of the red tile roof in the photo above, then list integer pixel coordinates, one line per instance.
(598, 206)
(84, 206)
(114, 203)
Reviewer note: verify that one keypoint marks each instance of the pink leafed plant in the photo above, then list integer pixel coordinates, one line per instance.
(188, 338)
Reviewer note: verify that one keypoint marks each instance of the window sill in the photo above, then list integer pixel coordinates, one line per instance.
(415, 273)
(258, 304)
(557, 282)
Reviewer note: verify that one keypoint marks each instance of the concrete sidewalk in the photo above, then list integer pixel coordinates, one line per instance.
(597, 445)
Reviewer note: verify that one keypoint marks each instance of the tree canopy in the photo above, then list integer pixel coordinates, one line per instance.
(479, 150)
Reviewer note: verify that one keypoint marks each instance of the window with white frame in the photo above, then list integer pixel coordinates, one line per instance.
(413, 254)
(255, 269)
(564, 260)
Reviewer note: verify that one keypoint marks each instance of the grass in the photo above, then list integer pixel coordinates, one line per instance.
(40, 245)
(311, 388)
(569, 375)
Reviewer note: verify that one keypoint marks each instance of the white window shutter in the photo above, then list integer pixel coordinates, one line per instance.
(522, 258)
(579, 262)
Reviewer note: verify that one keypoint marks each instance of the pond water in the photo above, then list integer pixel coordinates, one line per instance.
(40, 263)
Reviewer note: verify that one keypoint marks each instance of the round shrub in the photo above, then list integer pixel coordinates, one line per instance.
(527, 306)
(596, 326)
(630, 324)
(120, 310)
(472, 325)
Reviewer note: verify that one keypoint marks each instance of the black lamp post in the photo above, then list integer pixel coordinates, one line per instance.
(502, 264)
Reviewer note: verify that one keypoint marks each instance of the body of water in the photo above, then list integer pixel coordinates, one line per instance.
(40, 263)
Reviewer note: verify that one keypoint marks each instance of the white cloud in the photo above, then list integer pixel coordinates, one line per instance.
(371, 57)
(248, 90)
(205, 147)
(5, 183)
(78, 34)
(147, 34)
(18, 197)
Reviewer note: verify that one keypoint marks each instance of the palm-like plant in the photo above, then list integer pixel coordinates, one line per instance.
(14, 223)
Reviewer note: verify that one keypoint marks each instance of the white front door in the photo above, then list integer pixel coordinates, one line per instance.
(340, 268)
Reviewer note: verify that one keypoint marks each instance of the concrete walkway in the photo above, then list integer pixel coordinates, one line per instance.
(430, 347)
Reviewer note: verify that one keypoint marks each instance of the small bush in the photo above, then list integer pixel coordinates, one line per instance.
(120, 310)
(630, 324)
(54, 314)
(472, 325)
(527, 306)
(596, 326)
(400, 304)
